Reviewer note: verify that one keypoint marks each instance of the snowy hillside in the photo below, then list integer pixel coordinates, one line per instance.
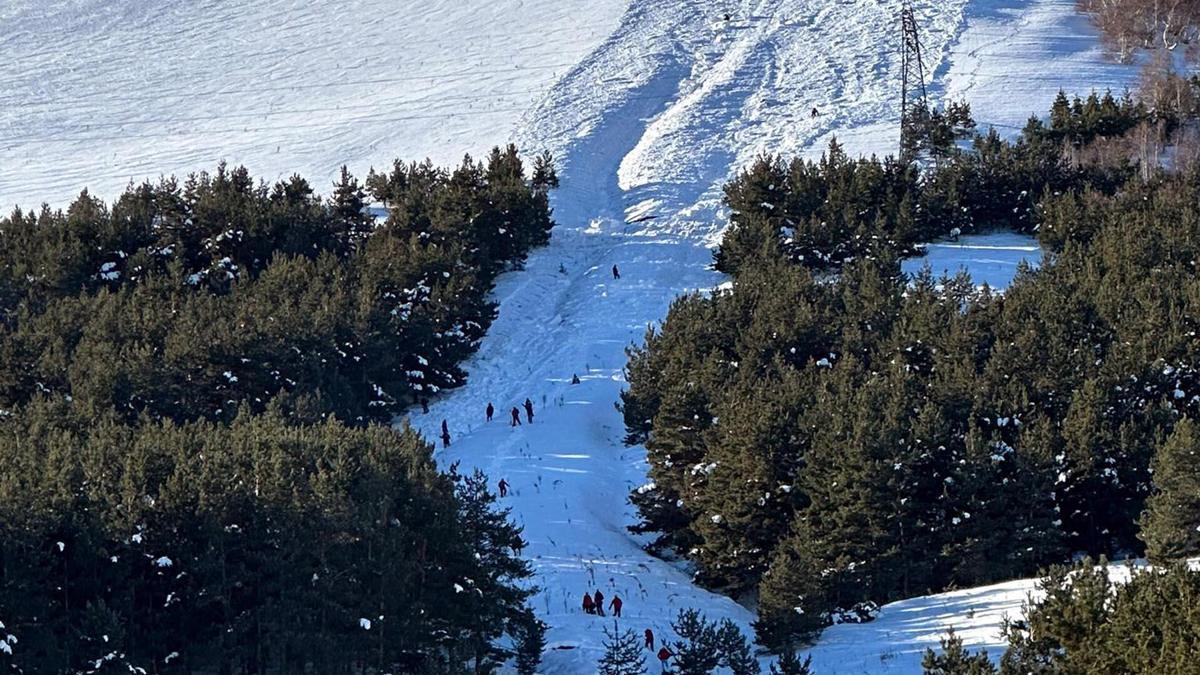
(650, 106)
(132, 90)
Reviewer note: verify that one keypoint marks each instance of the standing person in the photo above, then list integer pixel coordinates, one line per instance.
(649, 639)
(816, 113)
(445, 428)
(598, 598)
(445, 438)
(516, 417)
(491, 410)
(529, 410)
(616, 272)
(575, 379)
(503, 487)
(615, 606)
(664, 655)
(589, 607)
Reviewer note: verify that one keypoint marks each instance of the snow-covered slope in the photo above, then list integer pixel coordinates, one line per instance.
(98, 92)
(650, 105)
(648, 127)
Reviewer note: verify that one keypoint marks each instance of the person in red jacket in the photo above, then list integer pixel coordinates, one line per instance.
(649, 639)
(589, 607)
(615, 605)
(664, 655)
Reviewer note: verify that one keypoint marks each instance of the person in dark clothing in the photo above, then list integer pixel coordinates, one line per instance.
(503, 487)
(490, 411)
(727, 18)
(589, 607)
(445, 428)
(575, 379)
(445, 439)
(516, 417)
(616, 272)
(649, 639)
(598, 598)
(615, 606)
(529, 410)
(816, 113)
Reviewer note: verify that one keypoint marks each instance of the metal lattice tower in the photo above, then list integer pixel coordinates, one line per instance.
(912, 83)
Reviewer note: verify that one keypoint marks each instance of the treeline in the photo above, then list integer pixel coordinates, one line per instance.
(185, 301)
(826, 213)
(192, 477)
(1087, 623)
(254, 547)
(824, 444)
(1131, 25)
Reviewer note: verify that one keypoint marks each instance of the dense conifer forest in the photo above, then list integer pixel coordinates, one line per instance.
(194, 383)
(828, 434)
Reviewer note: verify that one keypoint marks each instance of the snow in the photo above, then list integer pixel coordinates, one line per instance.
(130, 90)
(991, 258)
(649, 105)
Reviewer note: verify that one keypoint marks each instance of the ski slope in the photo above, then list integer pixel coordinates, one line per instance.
(650, 106)
(647, 128)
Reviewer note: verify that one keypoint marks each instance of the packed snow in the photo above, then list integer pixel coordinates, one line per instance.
(650, 106)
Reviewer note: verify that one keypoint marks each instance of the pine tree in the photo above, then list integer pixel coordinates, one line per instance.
(956, 660)
(736, 652)
(790, 664)
(531, 641)
(623, 653)
(698, 651)
(1171, 523)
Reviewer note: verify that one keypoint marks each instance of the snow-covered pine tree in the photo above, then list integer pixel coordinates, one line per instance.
(623, 653)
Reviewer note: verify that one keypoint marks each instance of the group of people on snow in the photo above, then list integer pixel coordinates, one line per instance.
(594, 604)
(490, 411)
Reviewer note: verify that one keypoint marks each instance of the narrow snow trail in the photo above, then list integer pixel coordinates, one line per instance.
(647, 128)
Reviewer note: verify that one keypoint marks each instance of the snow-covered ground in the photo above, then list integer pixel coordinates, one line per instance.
(649, 104)
(990, 258)
(95, 93)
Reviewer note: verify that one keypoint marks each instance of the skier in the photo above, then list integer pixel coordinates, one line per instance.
(490, 411)
(616, 272)
(529, 410)
(516, 417)
(503, 485)
(664, 655)
(575, 379)
(727, 17)
(816, 113)
(598, 598)
(615, 606)
(589, 607)
(649, 639)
